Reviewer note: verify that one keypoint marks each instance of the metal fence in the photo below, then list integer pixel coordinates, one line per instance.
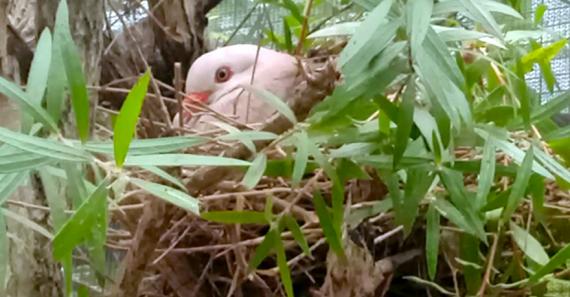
(242, 20)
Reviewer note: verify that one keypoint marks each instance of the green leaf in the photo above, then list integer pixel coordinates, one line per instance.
(369, 39)
(15, 160)
(236, 134)
(469, 251)
(453, 181)
(487, 173)
(13, 92)
(38, 76)
(432, 240)
(236, 217)
(82, 291)
(550, 108)
(284, 271)
(301, 157)
(537, 190)
(169, 194)
(165, 175)
(293, 226)
(418, 14)
(551, 164)
(418, 183)
(73, 70)
(255, 171)
(82, 223)
(149, 146)
(519, 186)
(272, 100)
(292, 7)
(523, 95)
(9, 183)
(450, 212)
(126, 122)
(557, 261)
(54, 193)
(182, 160)
(55, 94)
(43, 147)
(4, 254)
(288, 38)
(405, 121)
(77, 187)
(336, 30)
(529, 245)
(481, 14)
(246, 135)
(331, 235)
(514, 152)
(452, 6)
(539, 13)
(263, 249)
(542, 54)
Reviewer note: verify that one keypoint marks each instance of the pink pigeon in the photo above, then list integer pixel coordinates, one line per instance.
(216, 77)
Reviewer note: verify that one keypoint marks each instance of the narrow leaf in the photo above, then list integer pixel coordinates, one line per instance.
(331, 235)
(263, 249)
(519, 186)
(529, 245)
(487, 173)
(284, 271)
(38, 76)
(255, 171)
(126, 122)
(13, 92)
(419, 15)
(81, 224)
(182, 160)
(301, 157)
(557, 261)
(44, 147)
(274, 101)
(405, 121)
(73, 70)
(293, 226)
(169, 194)
(432, 240)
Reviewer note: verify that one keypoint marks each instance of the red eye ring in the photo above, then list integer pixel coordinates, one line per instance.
(223, 74)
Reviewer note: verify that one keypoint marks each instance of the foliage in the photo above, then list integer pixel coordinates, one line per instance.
(426, 103)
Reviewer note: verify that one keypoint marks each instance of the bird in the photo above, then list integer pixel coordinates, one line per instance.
(216, 79)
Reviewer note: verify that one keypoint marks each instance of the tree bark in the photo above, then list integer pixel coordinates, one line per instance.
(86, 22)
(32, 269)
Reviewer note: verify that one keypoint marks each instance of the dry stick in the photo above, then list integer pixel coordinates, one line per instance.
(178, 86)
(489, 267)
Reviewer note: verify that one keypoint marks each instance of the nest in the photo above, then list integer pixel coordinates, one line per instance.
(170, 252)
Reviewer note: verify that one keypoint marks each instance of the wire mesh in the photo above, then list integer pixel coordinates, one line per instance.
(556, 22)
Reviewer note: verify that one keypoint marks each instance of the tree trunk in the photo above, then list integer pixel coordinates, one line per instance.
(86, 22)
(32, 269)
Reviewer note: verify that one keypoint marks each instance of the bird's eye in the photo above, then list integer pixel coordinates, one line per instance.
(223, 74)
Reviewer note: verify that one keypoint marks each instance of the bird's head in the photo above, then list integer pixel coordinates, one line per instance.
(220, 71)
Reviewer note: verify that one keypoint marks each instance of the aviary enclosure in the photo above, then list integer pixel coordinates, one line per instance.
(422, 148)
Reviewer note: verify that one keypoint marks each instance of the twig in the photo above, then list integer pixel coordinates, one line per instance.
(486, 277)
(177, 94)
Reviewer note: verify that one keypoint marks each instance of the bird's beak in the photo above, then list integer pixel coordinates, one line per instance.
(199, 96)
